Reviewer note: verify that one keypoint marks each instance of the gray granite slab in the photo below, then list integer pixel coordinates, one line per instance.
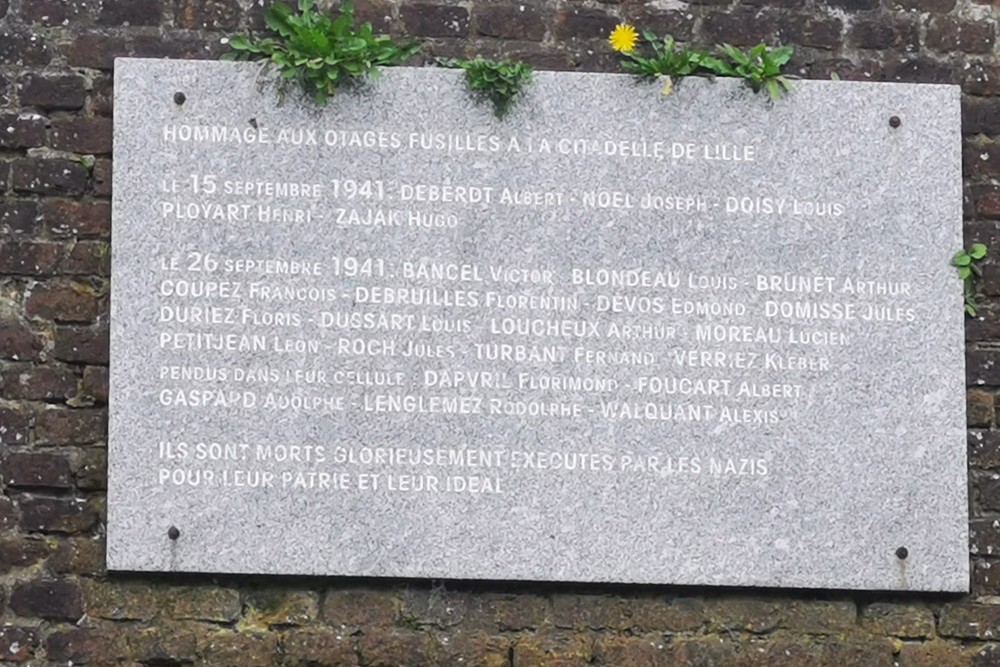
(619, 337)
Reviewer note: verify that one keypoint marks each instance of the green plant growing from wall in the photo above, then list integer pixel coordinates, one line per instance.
(321, 53)
(669, 60)
(967, 263)
(761, 67)
(499, 81)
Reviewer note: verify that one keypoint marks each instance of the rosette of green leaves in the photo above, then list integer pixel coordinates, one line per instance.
(499, 81)
(668, 59)
(760, 67)
(319, 52)
(967, 263)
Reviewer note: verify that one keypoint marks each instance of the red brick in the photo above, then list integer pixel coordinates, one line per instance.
(19, 552)
(919, 70)
(29, 259)
(18, 217)
(82, 345)
(71, 218)
(62, 302)
(981, 78)
(981, 159)
(131, 12)
(677, 24)
(40, 383)
(426, 20)
(49, 176)
(64, 91)
(58, 426)
(510, 22)
(932, 6)
(87, 258)
(95, 50)
(208, 14)
(582, 23)
(948, 34)
(95, 383)
(23, 131)
(741, 27)
(30, 469)
(979, 408)
(805, 30)
(91, 136)
(984, 449)
(84, 556)
(56, 515)
(55, 600)
(853, 5)
(178, 47)
(17, 340)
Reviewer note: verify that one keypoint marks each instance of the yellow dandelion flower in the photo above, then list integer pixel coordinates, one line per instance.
(623, 38)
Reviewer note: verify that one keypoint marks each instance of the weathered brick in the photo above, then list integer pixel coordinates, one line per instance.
(980, 115)
(95, 50)
(30, 259)
(23, 48)
(474, 649)
(884, 32)
(741, 27)
(164, 643)
(102, 178)
(178, 47)
(91, 136)
(54, 600)
(510, 22)
(102, 95)
(919, 70)
(18, 644)
(130, 12)
(677, 24)
(84, 556)
(970, 621)
(807, 30)
(981, 159)
(515, 612)
(979, 408)
(97, 643)
(984, 449)
(208, 14)
(62, 301)
(67, 427)
(580, 612)
(427, 20)
(30, 469)
(985, 576)
(8, 512)
(391, 649)
(63, 91)
(16, 552)
(981, 78)
(908, 621)
(40, 383)
(852, 5)
(95, 383)
(87, 258)
(932, 6)
(317, 647)
(744, 614)
(948, 33)
(71, 218)
(224, 647)
(582, 23)
(274, 607)
(202, 603)
(121, 601)
(21, 131)
(14, 422)
(634, 651)
(18, 217)
(56, 515)
(552, 650)
(17, 340)
(84, 345)
(55, 13)
(49, 176)
(92, 474)
(360, 608)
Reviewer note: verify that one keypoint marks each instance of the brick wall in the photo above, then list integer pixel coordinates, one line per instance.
(57, 604)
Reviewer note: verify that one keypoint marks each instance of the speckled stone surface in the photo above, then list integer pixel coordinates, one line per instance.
(679, 382)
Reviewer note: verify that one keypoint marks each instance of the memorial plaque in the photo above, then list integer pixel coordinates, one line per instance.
(698, 339)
